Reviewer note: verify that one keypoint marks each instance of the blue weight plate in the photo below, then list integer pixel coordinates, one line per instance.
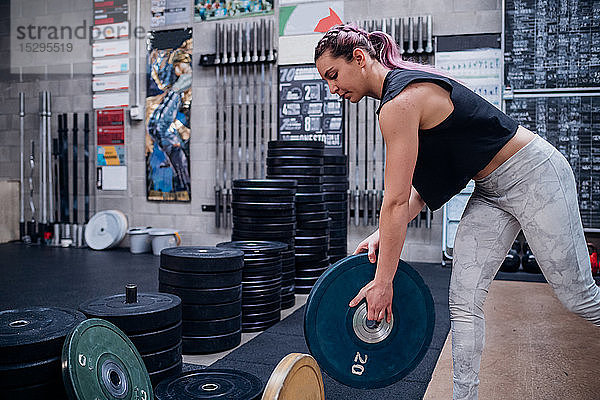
(354, 352)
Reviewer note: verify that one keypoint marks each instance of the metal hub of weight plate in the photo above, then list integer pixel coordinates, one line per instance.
(35, 333)
(201, 259)
(135, 312)
(296, 377)
(99, 361)
(210, 384)
(265, 183)
(362, 353)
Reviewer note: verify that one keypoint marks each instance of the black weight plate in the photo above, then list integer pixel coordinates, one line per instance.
(335, 242)
(211, 384)
(264, 220)
(295, 170)
(210, 312)
(266, 192)
(265, 235)
(335, 170)
(336, 258)
(260, 260)
(29, 373)
(198, 280)
(313, 216)
(158, 376)
(262, 285)
(301, 152)
(338, 215)
(304, 281)
(262, 206)
(35, 333)
(288, 303)
(341, 206)
(311, 233)
(47, 390)
(317, 249)
(259, 295)
(309, 144)
(162, 359)
(335, 178)
(312, 240)
(204, 296)
(237, 237)
(255, 267)
(263, 227)
(321, 226)
(263, 213)
(150, 312)
(338, 233)
(288, 276)
(99, 361)
(261, 275)
(211, 327)
(201, 259)
(256, 247)
(301, 179)
(268, 298)
(334, 196)
(251, 327)
(294, 160)
(325, 262)
(264, 199)
(264, 183)
(149, 342)
(262, 308)
(210, 344)
(338, 249)
(336, 187)
(261, 316)
(306, 208)
(303, 289)
(311, 273)
(393, 350)
(302, 259)
(338, 224)
(309, 198)
(335, 160)
(309, 189)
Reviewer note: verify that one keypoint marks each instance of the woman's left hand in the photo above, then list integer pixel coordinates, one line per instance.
(379, 300)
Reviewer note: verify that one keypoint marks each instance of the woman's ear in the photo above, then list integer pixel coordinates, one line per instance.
(359, 56)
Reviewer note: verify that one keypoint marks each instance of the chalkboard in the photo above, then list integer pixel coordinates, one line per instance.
(572, 125)
(552, 43)
(307, 110)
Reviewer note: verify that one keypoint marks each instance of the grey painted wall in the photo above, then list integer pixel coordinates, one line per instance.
(72, 93)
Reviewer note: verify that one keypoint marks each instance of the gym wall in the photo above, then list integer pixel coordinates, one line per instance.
(72, 92)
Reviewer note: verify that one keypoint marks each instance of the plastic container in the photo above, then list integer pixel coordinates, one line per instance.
(139, 239)
(163, 238)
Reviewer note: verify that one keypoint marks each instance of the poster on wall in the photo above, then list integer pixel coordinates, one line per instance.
(110, 136)
(207, 10)
(168, 103)
(308, 110)
(170, 12)
(110, 12)
(305, 19)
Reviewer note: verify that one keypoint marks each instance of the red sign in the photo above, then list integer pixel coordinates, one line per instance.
(110, 127)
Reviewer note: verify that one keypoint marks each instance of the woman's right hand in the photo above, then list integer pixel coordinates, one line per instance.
(370, 245)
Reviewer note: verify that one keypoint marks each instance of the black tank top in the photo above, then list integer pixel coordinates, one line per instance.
(454, 151)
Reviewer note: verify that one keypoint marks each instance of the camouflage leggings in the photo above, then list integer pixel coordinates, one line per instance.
(534, 191)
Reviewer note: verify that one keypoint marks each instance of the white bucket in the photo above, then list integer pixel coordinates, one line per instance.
(163, 238)
(140, 240)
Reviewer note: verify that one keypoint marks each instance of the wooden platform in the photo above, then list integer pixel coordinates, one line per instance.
(535, 349)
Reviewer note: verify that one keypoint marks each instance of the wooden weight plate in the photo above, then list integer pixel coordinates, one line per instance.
(296, 377)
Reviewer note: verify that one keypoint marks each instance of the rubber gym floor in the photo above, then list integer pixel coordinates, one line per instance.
(534, 348)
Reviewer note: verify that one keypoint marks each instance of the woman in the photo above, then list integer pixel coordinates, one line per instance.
(438, 136)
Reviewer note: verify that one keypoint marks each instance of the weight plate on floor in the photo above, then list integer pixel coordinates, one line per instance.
(294, 160)
(199, 280)
(306, 208)
(273, 296)
(338, 233)
(210, 384)
(333, 258)
(301, 179)
(99, 361)
(262, 307)
(295, 170)
(256, 246)
(210, 344)
(264, 213)
(262, 206)
(251, 327)
(301, 152)
(29, 373)
(309, 189)
(297, 376)
(335, 170)
(146, 312)
(302, 259)
(264, 183)
(265, 235)
(208, 312)
(162, 359)
(309, 198)
(338, 215)
(288, 303)
(335, 178)
(47, 390)
(325, 262)
(313, 216)
(334, 196)
(335, 159)
(258, 260)
(352, 350)
(336, 187)
(333, 242)
(263, 199)
(311, 272)
(338, 249)
(150, 342)
(172, 370)
(311, 240)
(264, 220)
(309, 144)
(341, 206)
(315, 249)
(338, 224)
(204, 296)
(258, 227)
(201, 259)
(211, 327)
(266, 192)
(319, 224)
(35, 333)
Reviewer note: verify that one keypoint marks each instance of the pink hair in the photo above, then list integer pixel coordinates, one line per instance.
(341, 40)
